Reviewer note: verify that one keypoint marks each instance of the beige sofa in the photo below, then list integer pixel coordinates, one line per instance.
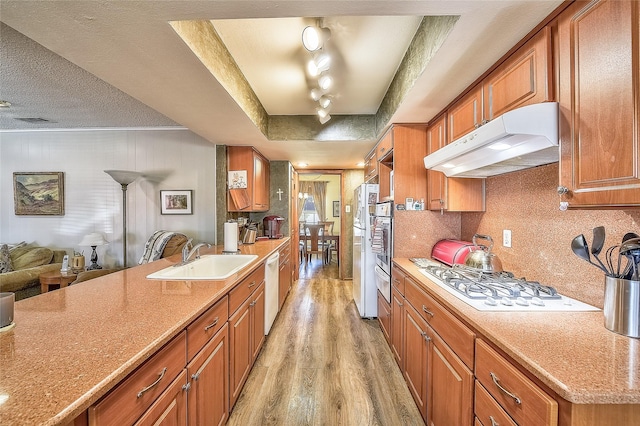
(28, 263)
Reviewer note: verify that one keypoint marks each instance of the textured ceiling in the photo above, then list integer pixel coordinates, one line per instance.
(132, 70)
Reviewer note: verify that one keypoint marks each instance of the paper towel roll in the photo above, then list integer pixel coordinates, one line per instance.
(231, 237)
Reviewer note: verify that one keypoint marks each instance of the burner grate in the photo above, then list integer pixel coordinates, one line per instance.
(477, 284)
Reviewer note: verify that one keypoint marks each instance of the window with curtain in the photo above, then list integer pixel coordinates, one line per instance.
(312, 201)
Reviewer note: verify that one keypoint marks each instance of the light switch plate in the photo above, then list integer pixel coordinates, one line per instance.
(347, 208)
(506, 238)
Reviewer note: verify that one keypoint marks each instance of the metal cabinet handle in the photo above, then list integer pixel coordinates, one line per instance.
(186, 387)
(505, 391)
(213, 324)
(424, 334)
(145, 389)
(493, 422)
(426, 311)
(562, 190)
(253, 303)
(252, 284)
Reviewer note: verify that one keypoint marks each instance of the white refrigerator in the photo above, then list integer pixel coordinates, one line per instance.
(364, 282)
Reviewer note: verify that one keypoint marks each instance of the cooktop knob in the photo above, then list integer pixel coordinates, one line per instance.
(537, 301)
(522, 301)
(490, 301)
(506, 301)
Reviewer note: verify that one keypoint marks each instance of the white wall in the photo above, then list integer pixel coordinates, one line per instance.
(169, 159)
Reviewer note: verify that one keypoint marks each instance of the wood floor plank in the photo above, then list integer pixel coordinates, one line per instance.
(324, 365)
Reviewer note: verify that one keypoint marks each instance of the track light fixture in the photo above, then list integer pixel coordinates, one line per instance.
(324, 101)
(325, 81)
(313, 37)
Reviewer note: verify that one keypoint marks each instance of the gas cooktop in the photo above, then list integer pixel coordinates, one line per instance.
(497, 291)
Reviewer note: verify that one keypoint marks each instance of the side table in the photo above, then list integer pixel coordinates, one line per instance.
(61, 279)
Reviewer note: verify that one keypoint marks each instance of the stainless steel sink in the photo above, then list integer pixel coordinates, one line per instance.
(208, 267)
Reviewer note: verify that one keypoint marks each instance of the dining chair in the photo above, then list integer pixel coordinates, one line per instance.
(315, 240)
(330, 245)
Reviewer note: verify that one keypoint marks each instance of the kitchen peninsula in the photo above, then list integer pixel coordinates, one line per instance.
(71, 346)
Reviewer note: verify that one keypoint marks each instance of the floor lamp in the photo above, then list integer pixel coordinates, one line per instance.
(124, 178)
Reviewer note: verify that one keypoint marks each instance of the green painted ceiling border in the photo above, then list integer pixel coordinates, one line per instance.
(202, 38)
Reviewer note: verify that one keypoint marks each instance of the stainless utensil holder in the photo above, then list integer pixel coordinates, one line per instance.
(622, 306)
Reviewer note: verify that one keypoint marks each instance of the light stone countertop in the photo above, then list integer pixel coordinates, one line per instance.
(570, 352)
(71, 346)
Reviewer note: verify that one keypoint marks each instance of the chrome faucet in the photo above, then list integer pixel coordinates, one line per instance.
(187, 254)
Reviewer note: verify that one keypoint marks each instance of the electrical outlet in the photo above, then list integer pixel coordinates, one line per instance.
(506, 238)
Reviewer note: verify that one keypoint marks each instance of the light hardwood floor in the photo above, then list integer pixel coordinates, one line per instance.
(324, 365)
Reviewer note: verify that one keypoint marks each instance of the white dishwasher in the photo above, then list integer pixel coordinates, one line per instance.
(271, 284)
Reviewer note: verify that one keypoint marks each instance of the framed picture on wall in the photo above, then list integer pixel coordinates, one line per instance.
(176, 202)
(38, 193)
(336, 209)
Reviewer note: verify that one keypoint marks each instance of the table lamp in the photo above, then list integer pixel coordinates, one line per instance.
(93, 240)
(124, 178)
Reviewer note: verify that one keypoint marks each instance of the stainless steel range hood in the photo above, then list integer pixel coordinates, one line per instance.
(519, 139)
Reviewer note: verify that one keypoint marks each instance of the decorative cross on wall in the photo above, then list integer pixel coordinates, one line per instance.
(279, 192)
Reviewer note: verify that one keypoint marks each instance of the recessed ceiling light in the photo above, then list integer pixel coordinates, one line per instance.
(448, 165)
(303, 164)
(360, 164)
(4, 104)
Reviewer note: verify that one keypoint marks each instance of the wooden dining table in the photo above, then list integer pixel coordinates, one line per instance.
(329, 238)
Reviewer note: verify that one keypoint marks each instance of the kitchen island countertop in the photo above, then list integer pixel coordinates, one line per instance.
(69, 347)
(570, 352)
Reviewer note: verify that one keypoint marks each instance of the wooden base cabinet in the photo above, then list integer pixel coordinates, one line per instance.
(285, 278)
(208, 400)
(170, 409)
(416, 352)
(384, 317)
(397, 326)
(246, 335)
(450, 386)
(599, 95)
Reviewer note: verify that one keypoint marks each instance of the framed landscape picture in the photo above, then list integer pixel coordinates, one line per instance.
(176, 202)
(38, 193)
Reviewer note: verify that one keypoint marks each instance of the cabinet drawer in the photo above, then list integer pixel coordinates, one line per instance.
(527, 404)
(397, 279)
(451, 330)
(285, 251)
(206, 326)
(132, 397)
(243, 290)
(488, 410)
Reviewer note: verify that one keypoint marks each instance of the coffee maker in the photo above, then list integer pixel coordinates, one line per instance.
(271, 226)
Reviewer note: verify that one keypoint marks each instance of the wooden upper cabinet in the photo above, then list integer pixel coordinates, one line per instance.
(436, 139)
(599, 95)
(406, 162)
(451, 194)
(385, 146)
(525, 78)
(371, 167)
(465, 115)
(256, 195)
